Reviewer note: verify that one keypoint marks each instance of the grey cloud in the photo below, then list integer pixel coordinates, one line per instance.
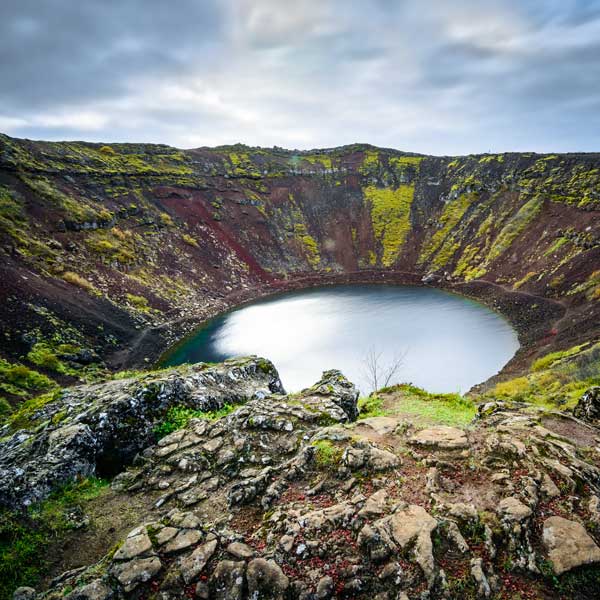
(58, 51)
(468, 76)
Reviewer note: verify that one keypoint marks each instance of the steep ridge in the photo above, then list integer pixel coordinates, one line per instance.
(111, 253)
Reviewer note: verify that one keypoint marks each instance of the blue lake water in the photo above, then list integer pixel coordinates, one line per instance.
(448, 343)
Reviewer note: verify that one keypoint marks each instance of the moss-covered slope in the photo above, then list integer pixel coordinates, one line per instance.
(111, 252)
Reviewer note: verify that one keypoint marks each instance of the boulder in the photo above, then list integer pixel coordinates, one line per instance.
(443, 438)
(228, 580)
(333, 384)
(191, 566)
(240, 550)
(266, 580)
(135, 572)
(134, 545)
(568, 544)
(511, 509)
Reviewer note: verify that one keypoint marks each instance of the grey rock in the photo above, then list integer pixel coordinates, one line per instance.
(588, 407)
(184, 539)
(511, 509)
(135, 572)
(192, 565)
(325, 588)
(24, 593)
(239, 550)
(228, 580)
(96, 590)
(133, 546)
(266, 580)
(568, 544)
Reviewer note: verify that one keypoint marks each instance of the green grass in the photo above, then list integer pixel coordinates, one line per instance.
(22, 417)
(371, 406)
(19, 380)
(26, 538)
(178, 417)
(443, 409)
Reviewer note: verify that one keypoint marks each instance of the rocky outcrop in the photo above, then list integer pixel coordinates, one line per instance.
(287, 497)
(98, 429)
(588, 407)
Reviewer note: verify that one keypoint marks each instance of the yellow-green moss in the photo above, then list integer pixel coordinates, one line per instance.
(441, 247)
(515, 226)
(370, 161)
(468, 264)
(390, 218)
(138, 302)
(557, 379)
(524, 280)
(189, 240)
(590, 287)
(310, 246)
(75, 279)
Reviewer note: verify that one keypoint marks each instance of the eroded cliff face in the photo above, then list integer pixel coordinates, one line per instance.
(120, 249)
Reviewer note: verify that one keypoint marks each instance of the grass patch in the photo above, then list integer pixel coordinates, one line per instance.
(326, 453)
(19, 380)
(26, 538)
(138, 302)
(444, 409)
(78, 280)
(557, 380)
(178, 417)
(371, 406)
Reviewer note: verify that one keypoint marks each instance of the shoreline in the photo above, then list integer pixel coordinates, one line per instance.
(531, 316)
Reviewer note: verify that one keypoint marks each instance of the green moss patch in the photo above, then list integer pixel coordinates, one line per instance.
(178, 417)
(390, 218)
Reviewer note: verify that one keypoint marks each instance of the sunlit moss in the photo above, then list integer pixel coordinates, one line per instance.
(557, 379)
(390, 218)
(309, 244)
(514, 227)
(440, 248)
(524, 280)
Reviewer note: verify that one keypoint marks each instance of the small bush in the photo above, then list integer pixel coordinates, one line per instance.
(166, 220)
(188, 239)
(326, 453)
(77, 280)
(100, 246)
(5, 407)
(108, 150)
(43, 356)
(138, 302)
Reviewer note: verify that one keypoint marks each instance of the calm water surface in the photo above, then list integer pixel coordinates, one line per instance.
(449, 343)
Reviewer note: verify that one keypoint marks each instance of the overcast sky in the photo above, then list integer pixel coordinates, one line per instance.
(438, 77)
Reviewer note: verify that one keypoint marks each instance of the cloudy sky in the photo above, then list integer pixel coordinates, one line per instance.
(437, 77)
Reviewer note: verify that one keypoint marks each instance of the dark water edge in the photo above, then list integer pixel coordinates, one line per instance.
(449, 342)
